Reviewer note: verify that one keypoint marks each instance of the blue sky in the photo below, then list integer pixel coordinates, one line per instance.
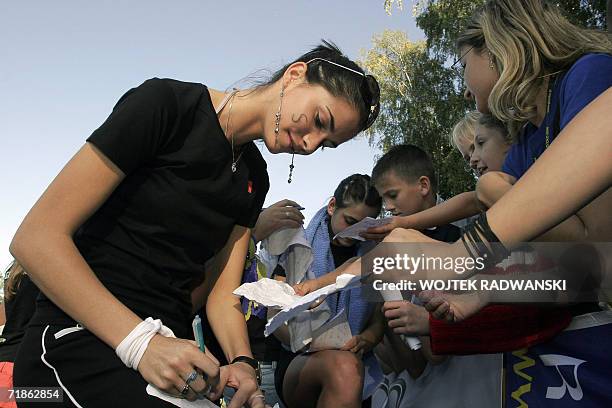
(65, 64)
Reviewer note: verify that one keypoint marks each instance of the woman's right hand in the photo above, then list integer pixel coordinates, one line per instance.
(168, 362)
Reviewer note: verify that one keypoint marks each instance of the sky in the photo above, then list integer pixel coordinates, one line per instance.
(66, 63)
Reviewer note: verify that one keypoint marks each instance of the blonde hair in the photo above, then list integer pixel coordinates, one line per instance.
(13, 276)
(528, 41)
(491, 122)
(465, 129)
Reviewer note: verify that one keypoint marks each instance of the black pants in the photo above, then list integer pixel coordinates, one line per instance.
(88, 370)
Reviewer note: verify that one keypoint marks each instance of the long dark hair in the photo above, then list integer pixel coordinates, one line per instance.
(360, 91)
(357, 189)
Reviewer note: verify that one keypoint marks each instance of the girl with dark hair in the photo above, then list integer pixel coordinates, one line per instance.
(121, 237)
(334, 378)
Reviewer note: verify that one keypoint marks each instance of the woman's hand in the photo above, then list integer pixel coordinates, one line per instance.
(168, 362)
(242, 377)
(280, 215)
(406, 318)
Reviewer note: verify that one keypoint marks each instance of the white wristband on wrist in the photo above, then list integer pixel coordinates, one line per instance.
(132, 348)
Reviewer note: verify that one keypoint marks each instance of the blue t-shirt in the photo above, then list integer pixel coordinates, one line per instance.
(589, 77)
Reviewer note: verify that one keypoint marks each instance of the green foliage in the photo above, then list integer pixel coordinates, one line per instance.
(421, 98)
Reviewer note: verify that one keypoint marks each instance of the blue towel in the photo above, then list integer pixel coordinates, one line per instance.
(358, 310)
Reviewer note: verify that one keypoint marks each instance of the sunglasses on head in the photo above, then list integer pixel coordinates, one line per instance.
(369, 89)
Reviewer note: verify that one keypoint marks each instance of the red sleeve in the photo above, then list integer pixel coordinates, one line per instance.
(498, 328)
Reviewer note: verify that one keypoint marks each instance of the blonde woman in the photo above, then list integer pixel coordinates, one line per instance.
(531, 68)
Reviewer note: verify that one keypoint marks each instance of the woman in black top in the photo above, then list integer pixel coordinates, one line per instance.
(169, 181)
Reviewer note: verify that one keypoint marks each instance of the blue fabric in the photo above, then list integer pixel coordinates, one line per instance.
(357, 309)
(590, 76)
(571, 370)
(251, 274)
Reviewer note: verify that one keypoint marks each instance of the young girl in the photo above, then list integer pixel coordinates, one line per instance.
(171, 179)
(487, 148)
(335, 377)
(462, 136)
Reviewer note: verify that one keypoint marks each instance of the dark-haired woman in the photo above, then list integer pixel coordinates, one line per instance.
(170, 180)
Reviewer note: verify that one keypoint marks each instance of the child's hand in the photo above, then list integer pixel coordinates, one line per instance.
(452, 308)
(359, 345)
(380, 232)
(406, 318)
(306, 287)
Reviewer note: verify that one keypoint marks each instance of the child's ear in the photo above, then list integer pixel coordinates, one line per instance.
(331, 206)
(424, 185)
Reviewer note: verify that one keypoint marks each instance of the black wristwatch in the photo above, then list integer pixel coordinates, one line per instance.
(253, 363)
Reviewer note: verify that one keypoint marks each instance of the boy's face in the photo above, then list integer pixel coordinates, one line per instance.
(400, 197)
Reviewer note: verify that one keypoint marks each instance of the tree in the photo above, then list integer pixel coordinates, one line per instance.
(420, 97)
(443, 20)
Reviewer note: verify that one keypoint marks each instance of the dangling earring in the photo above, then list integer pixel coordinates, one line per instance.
(277, 130)
(278, 116)
(291, 166)
(491, 63)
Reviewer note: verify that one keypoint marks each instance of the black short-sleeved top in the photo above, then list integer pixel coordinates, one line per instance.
(177, 204)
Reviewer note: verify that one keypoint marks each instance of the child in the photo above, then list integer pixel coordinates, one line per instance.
(334, 377)
(405, 179)
(491, 143)
(487, 151)
(462, 136)
(486, 146)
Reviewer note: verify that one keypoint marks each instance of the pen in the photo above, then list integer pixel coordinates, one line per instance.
(198, 334)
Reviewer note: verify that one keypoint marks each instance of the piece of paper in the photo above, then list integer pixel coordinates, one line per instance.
(354, 230)
(180, 402)
(333, 334)
(343, 282)
(268, 292)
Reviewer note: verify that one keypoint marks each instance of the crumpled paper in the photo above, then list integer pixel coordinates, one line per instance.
(268, 292)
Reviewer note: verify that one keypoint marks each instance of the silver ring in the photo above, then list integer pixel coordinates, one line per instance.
(192, 377)
(185, 390)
